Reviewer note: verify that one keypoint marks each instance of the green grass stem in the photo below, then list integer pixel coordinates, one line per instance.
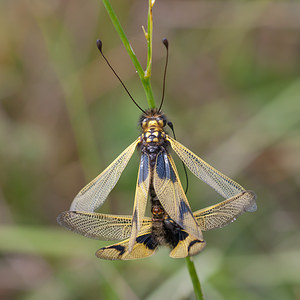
(144, 76)
(194, 278)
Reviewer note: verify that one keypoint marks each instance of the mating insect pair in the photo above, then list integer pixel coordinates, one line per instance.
(158, 178)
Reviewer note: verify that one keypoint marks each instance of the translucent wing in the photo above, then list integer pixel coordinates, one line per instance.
(144, 247)
(188, 245)
(171, 195)
(141, 196)
(100, 226)
(226, 212)
(92, 196)
(225, 186)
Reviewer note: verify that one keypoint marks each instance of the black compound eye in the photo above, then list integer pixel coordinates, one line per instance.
(161, 122)
(144, 123)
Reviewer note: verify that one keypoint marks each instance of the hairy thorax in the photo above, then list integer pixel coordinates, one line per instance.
(153, 137)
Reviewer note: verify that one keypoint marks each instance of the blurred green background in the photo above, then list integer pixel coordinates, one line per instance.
(232, 93)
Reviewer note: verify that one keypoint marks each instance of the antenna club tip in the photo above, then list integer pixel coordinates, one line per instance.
(99, 45)
(165, 42)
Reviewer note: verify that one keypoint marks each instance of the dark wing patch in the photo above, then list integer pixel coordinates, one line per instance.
(147, 240)
(144, 168)
(119, 248)
(188, 245)
(182, 235)
(164, 169)
(183, 210)
(144, 247)
(160, 167)
(193, 243)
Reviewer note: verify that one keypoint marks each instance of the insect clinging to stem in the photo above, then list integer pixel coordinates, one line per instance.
(157, 173)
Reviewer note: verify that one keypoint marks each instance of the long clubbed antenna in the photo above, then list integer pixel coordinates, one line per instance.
(166, 43)
(99, 45)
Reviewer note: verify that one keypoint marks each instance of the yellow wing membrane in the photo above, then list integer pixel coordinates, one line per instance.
(100, 226)
(225, 186)
(92, 196)
(170, 193)
(189, 246)
(141, 197)
(143, 247)
(225, 212)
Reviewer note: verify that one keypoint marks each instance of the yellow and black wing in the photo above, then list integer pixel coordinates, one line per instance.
(100, 226)
(188, 245)
(214, 217)
(92, 196)
(225, 212)
(141, 197)
(144, 246)
(225, 186)
(170, 193)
